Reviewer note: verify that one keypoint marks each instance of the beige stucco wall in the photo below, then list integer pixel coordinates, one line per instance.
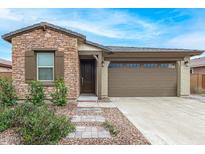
(105, 79)
(184, 78)
(86, 47)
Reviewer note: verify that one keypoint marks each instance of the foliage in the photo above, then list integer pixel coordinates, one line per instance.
(36, 93)
(6, 119)
(110, 127)
(35, 123)
(8, 95)
(38, 125)
(59, 97)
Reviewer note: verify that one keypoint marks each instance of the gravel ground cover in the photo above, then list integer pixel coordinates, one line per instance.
(127, 135)
(9, 137)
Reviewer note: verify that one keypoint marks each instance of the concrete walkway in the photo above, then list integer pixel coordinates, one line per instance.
(166, 120)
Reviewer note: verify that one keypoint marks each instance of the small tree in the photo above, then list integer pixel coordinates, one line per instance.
(8, 95)
(36, 93)
(59, 97)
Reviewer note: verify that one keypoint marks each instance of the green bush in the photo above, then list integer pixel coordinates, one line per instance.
(59, 97)
(36, 93)
(38, 125)
(8, 95)
(111, 128)
(6, 119)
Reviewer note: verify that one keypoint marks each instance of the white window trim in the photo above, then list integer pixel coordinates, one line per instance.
(37, 67)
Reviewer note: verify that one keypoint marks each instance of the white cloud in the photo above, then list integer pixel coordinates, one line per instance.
(102, 22)
(190, 40)
(7, 14)
(118, 25)
(90, 27)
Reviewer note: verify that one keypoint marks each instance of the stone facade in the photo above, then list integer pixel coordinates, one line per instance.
(46, 39)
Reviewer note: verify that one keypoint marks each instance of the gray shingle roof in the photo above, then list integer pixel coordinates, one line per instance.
(145, 49)
(97, 45)
(8, 36)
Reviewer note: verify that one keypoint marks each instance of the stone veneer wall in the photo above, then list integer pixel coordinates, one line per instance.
(45, 39)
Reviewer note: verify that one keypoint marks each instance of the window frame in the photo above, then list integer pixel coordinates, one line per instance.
(37, 67)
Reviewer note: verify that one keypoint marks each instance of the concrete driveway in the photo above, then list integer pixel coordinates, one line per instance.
(166, 120)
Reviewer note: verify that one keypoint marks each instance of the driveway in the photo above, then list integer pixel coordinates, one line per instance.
(166, 120)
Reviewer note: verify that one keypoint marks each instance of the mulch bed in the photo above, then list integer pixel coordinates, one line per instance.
(128, 133)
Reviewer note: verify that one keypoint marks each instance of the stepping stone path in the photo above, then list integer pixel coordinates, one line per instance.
(87, 118)
(92, 109)
(89, 132)
(84, 131)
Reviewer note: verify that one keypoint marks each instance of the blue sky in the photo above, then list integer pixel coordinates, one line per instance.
(165, 28)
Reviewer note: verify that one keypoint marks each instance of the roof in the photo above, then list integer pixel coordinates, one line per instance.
(198, 62)
(111, 49)
(8, 36)
(5, 63)
(145, 49)
(97, 45)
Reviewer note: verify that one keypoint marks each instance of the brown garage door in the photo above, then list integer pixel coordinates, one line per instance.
(142, 79)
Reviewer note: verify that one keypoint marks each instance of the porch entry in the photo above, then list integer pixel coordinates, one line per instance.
(87, 76)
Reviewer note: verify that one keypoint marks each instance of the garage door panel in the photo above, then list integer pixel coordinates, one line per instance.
(130, 82)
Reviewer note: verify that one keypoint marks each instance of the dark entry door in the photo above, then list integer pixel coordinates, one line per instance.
(87, 76)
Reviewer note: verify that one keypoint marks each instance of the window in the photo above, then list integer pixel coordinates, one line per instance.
(45, 66)
(150, 65)
(165, 65)
(124, 65)
(133, 65)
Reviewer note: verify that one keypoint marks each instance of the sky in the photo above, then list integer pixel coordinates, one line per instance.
(161, 28)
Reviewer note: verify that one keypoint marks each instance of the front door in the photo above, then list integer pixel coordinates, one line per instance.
(87, 68)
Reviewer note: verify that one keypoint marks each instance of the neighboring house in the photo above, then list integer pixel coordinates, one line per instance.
(46, 52)
(5, 68)
(198, 75)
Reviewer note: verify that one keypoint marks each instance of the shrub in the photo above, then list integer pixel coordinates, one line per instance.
(6, 119)
(8, 95)
(38, 125)
(59, 97)
(36, 93)
(21, 111)
(110, 127)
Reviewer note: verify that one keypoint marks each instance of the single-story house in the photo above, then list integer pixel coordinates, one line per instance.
(5, 68)
(197, 67)
(46, 52)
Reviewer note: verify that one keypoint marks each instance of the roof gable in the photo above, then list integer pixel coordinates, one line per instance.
(43, 25)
